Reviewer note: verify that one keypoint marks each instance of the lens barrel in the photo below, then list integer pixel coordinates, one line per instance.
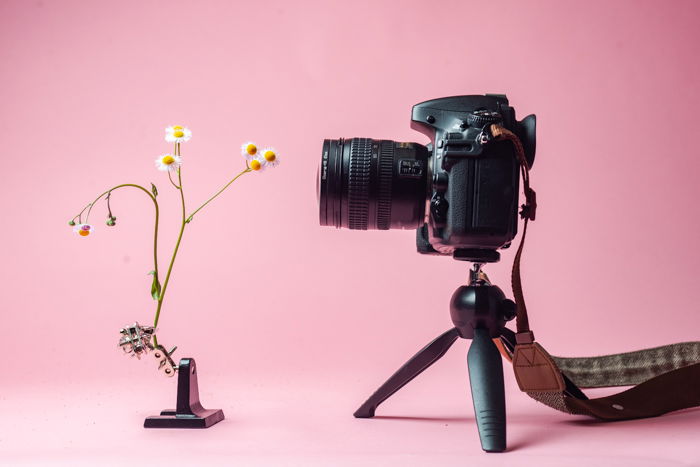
(372, 184)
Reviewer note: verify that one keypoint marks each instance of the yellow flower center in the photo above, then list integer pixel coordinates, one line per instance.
(178, 133)
(269, 156)
(255, 165)
(167, 160)
(177, 127)
(83, 233)
(251, 149)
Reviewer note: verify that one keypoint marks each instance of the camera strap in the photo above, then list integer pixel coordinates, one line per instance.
(664, 378)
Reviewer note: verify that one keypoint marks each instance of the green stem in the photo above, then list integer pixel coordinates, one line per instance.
(177, 247)
(171, 181)
(79, 216)
(109, 208)
(247, 169)
(155, 204)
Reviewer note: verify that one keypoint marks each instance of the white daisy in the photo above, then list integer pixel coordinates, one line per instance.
(168, 162)
(256, 165)
(83, 229)
(249, 150)
(177, 134)
(268, 157)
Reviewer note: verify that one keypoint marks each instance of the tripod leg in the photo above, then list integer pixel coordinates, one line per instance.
(412, 368)
(488, 394)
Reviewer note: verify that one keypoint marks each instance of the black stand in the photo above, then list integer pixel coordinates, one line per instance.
(189, 412)
(479, 312)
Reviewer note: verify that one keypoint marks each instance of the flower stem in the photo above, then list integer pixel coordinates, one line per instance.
(109, 208)
(79, 216)
(161, 296)
(246, 170)
(171, 180)
(155, 204)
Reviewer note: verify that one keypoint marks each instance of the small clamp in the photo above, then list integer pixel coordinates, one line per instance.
(165, 361)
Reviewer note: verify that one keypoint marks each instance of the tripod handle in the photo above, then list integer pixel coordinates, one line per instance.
(488, 393)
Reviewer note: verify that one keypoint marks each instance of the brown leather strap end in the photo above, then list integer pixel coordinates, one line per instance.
(535, 370)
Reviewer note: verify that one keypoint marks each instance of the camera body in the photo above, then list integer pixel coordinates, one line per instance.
(460, 191)
(472, 206)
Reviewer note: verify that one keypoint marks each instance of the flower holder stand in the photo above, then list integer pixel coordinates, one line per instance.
(189, 412)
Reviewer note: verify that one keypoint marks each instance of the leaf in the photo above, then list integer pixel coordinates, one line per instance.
(155, 285)
(154, 190)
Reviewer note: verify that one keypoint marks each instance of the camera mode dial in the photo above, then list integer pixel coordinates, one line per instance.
(481, 118)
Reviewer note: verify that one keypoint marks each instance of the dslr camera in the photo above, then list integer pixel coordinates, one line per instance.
(460, 191)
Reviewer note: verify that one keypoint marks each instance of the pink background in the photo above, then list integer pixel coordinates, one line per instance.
(294, 325)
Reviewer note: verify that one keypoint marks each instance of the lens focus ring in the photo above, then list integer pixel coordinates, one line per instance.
(386, 168)
(358, 183)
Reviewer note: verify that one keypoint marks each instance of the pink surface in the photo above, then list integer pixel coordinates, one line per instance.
(293, 325)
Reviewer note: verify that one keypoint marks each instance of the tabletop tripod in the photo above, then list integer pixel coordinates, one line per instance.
(479, 312)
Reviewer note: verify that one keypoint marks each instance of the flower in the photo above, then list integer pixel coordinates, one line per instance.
(177, 134)
(268, 157)
(256, 165)
(83, 229)
(249, 150)
(168, 162)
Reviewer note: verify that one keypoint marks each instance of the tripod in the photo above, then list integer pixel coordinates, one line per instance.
(479, 312)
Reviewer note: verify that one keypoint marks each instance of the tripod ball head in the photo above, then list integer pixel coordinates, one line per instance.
(480, 307)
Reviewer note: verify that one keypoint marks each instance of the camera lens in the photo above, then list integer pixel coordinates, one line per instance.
(372, 184)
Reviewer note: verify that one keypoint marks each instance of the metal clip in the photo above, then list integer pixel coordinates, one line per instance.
(165, 361)
(136, 339)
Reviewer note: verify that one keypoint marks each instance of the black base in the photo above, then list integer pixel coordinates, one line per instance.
(171, 419)
(189, 412)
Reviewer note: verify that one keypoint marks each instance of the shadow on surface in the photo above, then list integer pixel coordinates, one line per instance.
(454, 419)
(545, 430)
(668, 419)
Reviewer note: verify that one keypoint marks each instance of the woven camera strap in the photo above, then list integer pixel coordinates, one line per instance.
(664, 378)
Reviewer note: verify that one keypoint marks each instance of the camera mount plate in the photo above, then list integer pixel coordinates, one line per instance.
(476, 255)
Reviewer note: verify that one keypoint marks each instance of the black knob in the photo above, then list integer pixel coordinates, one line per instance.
(508, 309)
(481, 118)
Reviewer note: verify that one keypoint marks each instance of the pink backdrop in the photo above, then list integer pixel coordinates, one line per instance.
(293, 325)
